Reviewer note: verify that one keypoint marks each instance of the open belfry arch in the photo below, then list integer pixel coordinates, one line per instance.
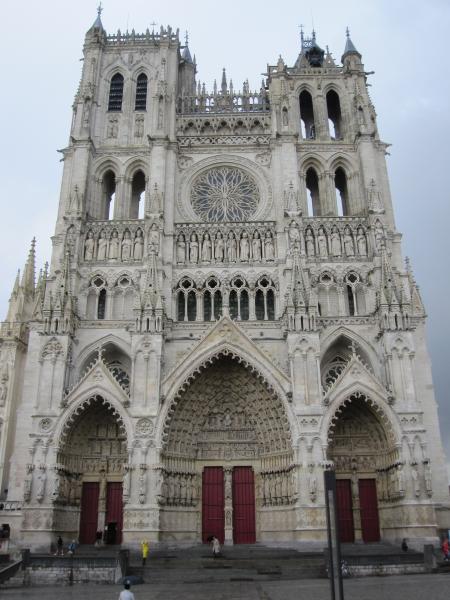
(226, 314)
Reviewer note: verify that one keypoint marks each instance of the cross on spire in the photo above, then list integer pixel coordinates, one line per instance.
(186, 37)
(153, 25)
(99, 9)
(347, 32)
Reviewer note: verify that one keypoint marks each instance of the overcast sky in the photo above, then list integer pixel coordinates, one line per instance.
(404, 41)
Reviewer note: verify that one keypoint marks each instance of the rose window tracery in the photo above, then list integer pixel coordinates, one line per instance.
(225, 194)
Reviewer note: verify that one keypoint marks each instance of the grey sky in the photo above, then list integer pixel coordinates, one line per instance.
(403, 41)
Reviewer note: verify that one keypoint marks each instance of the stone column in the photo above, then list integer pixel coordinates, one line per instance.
(228, 475)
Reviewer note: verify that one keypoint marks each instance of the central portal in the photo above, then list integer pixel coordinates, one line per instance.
(242, 506)
(227, 464)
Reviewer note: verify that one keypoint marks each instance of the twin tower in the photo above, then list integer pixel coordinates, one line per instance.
(226, 315)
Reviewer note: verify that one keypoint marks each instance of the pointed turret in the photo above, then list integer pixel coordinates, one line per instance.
(28, 277)
(96, 32)
(186, 55)
(224, 85)
(187, 71)
(12, 308)
(351, 57)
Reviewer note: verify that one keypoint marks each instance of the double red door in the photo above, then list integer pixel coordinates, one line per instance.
(213, 505)
(89, 511)
(368, 507)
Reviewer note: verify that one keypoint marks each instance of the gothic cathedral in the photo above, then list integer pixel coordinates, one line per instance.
(226, 315)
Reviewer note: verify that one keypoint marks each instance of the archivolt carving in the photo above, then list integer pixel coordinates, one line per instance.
(227, 411)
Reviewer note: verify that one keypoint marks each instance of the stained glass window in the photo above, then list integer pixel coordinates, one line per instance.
(225, 194)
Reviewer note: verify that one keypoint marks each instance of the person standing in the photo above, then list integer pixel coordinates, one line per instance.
(59, 546)
(445, 548)
(215, 546)
(125, 594)
(144, 549)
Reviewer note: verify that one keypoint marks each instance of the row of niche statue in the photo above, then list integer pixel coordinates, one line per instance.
(115, 248)
(225, 249)
(324, 245)
(278, 488)
(177, 489)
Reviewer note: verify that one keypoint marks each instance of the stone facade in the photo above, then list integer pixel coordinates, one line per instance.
(226, 289)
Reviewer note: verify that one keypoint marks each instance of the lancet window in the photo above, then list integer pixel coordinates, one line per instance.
(239, 299)
(141, 92)
(109, 195)
(342, 200)
(123, 298)
(265, 300)
(312, 193)
(212, 300)
(307, 116)
(137, 204)
(355, 299)
(186, 300)
(116, 93)
(334, 115)
(245, 302)
(97, 299)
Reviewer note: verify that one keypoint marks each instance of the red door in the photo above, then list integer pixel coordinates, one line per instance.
(89, 512)
(114, 511)
(345, 510)
(213, 522)
(244, 531)
(368, 503)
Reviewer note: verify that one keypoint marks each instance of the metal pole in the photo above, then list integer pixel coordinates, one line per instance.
(334, 549)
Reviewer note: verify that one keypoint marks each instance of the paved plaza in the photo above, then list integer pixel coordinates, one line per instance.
(412, 587)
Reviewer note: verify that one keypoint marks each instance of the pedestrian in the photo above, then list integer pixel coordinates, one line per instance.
(445, 548)
(144, 549)
(72, 547)
(59, 546)
(125, 594)
(215, 546)
(404, 545)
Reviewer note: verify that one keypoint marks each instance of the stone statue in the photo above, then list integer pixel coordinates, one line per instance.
(244, 247)
(114, 245)
(335, 243)
(142, 485)
(361, 242)
(193, 249)
(379, 236)
(219, 248)
(374, 198)
(206, 248)
(28, 483)
(42, 478)
(181, 249)
(127, 246)
(309, 241)
(153, 238)
(348, 243)
(294, 235)
(4, 377)
(89, 245)
(269, 248)
(400, 480)
(428, 478)
(312, 483)
(231, 248)
(322, 243)
(126, 482)
(138, 251)
(102, 246)
(291, 199)
(256, 246)
(415, 480)
(285, 117)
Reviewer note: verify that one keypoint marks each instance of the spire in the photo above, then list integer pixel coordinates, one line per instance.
(12, 308)
(224, 86)
(349, 47)
(28, 281)
(186, 55)
(98, 21)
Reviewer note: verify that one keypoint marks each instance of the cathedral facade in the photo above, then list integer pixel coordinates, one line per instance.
(226, 315)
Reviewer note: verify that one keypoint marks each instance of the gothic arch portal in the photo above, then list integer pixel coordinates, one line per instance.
(227, 418)
(91, 451)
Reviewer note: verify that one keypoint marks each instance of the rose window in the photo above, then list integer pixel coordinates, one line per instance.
(225, 194)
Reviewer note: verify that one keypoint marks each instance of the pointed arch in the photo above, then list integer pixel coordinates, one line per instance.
(100, 343)
(342, 331)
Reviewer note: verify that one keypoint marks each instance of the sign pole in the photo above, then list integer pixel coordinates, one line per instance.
(334, 548)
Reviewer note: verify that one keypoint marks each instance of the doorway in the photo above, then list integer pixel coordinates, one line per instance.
(244, 529)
